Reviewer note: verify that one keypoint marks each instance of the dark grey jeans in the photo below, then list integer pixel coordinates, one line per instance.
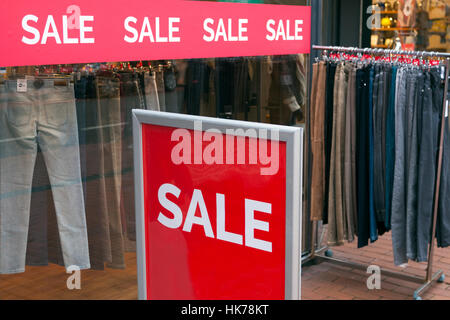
(398, 218)
(428, 143)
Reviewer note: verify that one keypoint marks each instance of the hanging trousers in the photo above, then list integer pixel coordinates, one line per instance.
(404, 206)
(108, 94)
(331, 72)
(443, 221)
(390, 147)
(398, 215)
(414, 108)
(373, 87)
(349, 176)
(429, 125)
(151, 92)
(362, 154)
(317, 140)
(337, 226)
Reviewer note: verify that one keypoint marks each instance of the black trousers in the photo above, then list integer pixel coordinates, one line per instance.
(362, 154)
(329, 100)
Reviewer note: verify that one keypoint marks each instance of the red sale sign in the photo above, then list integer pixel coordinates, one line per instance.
(85, 31)
(218, 208)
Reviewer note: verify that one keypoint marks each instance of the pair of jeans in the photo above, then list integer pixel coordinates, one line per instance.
(44, 116)
(110, 123)
(331, 72)
(317, 140)
(172, 93)
(373, 87)
(95, 189)
(398, 204)
(196, 82)
(428, 134)
(151, 92)
(130, 98)
(337, 224)
(380, 95)
(390, 147)
(362, 154)
(404, 192)
(161, 90)
(349, 176)
(443, 221)
(414, 107)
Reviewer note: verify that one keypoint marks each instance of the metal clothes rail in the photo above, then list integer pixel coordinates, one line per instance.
(325, 254)
(384, 51)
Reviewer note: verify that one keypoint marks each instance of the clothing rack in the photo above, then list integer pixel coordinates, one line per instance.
(325, 254)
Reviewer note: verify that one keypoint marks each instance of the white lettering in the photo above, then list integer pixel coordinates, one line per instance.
(173, 29)
(84, 29)
(30, 29)
(158, 36)
(242, 29)
(203, 220)
(54, 33)
(251, 224)
(208, 30)
(130, 29)
(221, 233)
(269, 28)
(146, 31)
(177, 219)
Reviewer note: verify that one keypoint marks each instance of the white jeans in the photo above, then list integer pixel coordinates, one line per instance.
(45, 115)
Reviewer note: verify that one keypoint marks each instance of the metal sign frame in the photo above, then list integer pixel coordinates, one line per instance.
(292, 136)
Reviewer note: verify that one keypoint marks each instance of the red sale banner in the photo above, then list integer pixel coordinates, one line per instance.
(82, 31)
(202, 258)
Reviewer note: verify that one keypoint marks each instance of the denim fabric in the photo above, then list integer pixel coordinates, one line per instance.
(414, 106)
(428, 143)
(151, 92)
(161, 89)
(378, 174)
(349, 171)
(44, 116)
(110, 123)
(398, 213)
(373, 87)
(196, 80)
(390, 148)
(362, 154)
(94, 184)
(443, 225)
(331, 72)
(130, 98)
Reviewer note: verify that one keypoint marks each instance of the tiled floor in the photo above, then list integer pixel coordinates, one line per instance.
(49, 283)
(319, 282)
(330, 281)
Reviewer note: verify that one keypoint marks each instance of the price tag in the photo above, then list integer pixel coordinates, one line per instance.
(22, 85)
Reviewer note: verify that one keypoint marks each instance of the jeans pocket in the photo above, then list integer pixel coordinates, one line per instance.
(18, 113)
(57, 112)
